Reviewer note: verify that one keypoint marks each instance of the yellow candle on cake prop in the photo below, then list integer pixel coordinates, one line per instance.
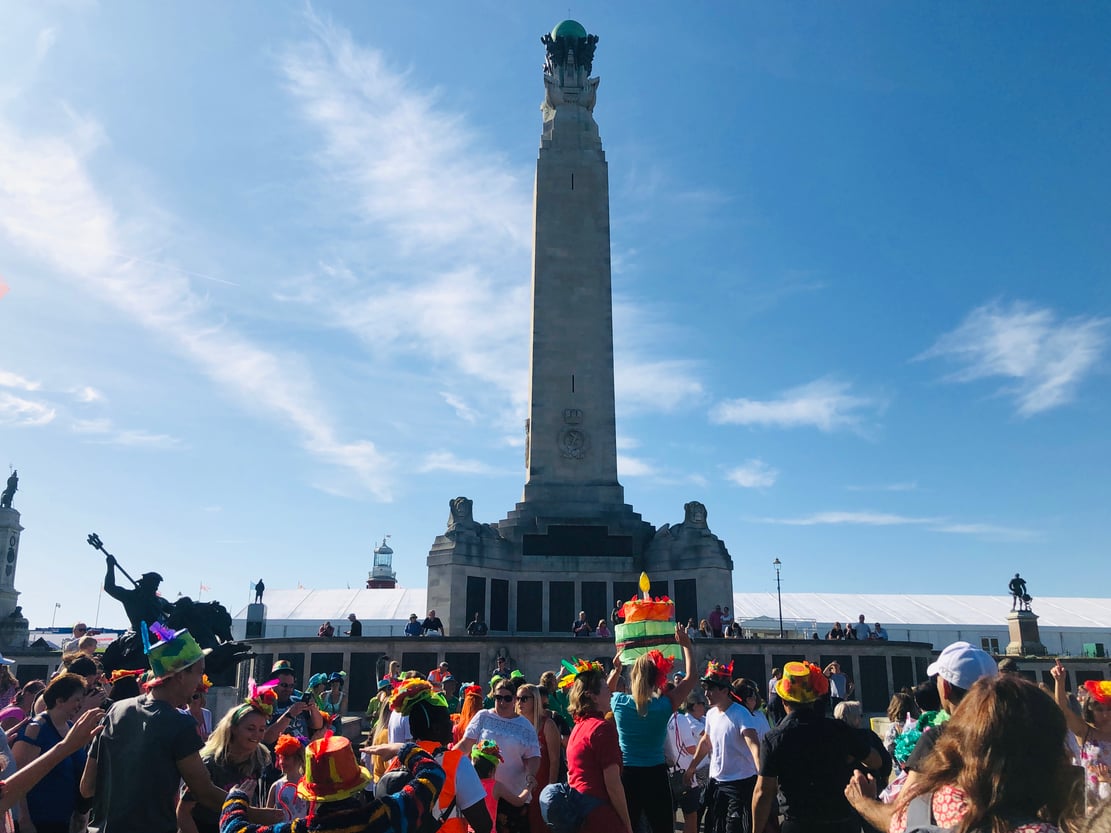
(649, 625)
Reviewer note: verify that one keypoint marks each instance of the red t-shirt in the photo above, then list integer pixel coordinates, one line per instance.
(592, 748)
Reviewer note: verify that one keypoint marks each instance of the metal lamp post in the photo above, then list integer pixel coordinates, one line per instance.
(55, 614)
(779, 594)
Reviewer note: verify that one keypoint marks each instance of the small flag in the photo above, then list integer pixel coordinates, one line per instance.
(205, 588)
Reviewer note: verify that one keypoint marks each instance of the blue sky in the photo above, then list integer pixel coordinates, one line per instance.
(266, 285)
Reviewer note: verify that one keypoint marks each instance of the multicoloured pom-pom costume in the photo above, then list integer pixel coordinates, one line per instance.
(397, 813)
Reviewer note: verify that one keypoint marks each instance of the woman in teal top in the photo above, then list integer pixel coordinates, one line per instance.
(641, 719)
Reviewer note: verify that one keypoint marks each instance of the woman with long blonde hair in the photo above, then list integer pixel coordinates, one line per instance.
(530, 705)
(233, 753)
(642, 717)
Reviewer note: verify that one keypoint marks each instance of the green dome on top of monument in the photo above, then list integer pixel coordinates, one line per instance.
(569, 29)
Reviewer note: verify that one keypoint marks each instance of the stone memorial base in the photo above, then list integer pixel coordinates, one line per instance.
(1025, 639)
(256, 621)
(534, 571)
(13, 633)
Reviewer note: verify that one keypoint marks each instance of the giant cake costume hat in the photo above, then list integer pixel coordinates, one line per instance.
(802, 683)
(175, 650)
(331, 771)
(649, 625)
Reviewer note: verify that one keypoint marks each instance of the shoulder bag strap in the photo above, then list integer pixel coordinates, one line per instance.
(920, 811)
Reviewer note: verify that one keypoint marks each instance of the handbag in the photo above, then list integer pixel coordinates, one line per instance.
(678, 787)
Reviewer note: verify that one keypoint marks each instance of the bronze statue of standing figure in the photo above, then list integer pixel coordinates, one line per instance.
(9, 493)
(1019, 596)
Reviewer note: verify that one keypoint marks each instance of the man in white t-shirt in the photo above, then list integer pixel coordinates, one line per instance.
(732, 741)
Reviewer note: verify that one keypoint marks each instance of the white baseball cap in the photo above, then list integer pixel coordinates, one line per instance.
(5, 661)
(961, 664)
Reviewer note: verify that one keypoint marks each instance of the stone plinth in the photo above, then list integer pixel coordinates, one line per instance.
(1025, 639)
(256, 621)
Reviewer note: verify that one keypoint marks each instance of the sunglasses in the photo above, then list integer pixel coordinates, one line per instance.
(524, 699)
(503, 698)
(198, 696)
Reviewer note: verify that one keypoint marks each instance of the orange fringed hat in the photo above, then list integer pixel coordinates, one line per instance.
(1100, 690)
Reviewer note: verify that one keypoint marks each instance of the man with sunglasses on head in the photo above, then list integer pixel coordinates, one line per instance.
(293, 714)
(732, 740)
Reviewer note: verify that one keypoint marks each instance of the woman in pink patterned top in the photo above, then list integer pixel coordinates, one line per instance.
(1092, 728)
(1017, 781)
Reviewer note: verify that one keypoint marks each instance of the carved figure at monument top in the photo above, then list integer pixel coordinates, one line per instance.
(570, 58)
(9, 492)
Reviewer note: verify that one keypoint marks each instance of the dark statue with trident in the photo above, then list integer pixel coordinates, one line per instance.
(208, 622)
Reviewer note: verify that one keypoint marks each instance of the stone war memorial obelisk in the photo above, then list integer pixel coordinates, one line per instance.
(572, 543)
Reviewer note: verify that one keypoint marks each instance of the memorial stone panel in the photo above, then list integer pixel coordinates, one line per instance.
(686, 600)
(751, 667)
(594, 601)
(902, 672)
(362, 680)
(561, 606)
(476, 597)
(499, 604)
(423, 661)
(624, 590)
(872, 689)
(920, 666)
(530, 606)
(324, 663)
(465, 666)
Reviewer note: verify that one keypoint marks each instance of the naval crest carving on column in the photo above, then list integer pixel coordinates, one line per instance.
(574, 443)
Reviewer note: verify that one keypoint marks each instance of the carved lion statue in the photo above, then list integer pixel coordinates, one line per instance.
(695, 514)
(462, 513)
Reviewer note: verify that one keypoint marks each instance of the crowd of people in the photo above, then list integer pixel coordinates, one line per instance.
(585, 749)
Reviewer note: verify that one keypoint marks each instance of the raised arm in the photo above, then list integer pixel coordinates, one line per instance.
(678, 694)
(1074, 722)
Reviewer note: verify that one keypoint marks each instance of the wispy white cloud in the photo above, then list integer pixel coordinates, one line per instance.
(104, 432)
(634, 467)
(985, 531)
(450, 223)
(464, 411)
(826, 404)
(87, 395)
(850, 518)
(753, 474)
(44, 42)
(447, 461)
(51, 209)
(19, 411)
(1044, 357)
(906, 486)
(17, 382)
(992, 532)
